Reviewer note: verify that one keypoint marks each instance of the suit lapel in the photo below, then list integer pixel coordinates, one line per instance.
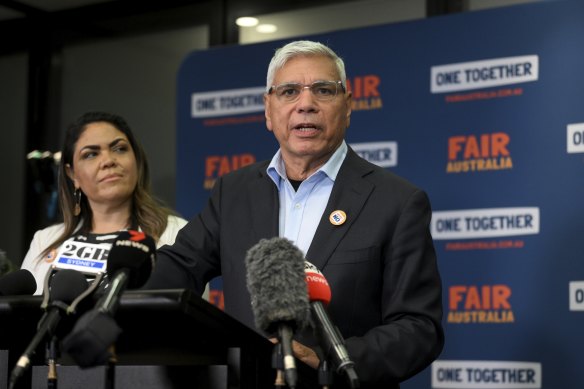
(264, 206)
(349, 194)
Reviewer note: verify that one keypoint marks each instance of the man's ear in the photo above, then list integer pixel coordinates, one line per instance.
(349, 102)
(267, 112)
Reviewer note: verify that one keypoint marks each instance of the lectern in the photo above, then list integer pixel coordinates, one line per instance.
(169, 332)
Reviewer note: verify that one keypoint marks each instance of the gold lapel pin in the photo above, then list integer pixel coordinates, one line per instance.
(338, 217)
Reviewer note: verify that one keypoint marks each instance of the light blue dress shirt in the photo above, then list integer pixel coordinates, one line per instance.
(301, 211)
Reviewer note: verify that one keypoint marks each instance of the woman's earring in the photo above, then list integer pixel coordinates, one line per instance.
(77, 196)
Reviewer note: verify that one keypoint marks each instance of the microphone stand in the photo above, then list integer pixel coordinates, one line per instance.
(285, 339)
(53, 354)
(110, 369)
(278, 364)
(325, 375)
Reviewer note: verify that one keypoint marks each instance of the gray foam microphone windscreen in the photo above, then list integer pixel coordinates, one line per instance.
(276, 283)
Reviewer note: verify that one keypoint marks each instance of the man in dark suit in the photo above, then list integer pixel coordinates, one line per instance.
(364, 227)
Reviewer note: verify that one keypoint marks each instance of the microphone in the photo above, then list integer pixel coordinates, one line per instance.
(279, 301)
(65, 287)
(17, 282)
(129, 265)
(331, 340)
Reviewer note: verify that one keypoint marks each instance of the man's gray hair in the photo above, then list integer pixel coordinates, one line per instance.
(303, 49)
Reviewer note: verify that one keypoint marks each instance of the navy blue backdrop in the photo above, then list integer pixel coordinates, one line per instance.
(485, 111)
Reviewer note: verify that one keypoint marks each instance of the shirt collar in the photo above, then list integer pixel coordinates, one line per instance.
(277, 171)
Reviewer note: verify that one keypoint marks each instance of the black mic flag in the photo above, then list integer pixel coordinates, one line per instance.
(279, 299)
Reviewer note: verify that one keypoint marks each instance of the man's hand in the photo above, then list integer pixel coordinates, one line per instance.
(303, 353)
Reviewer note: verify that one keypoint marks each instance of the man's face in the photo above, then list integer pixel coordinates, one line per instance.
(308, 130)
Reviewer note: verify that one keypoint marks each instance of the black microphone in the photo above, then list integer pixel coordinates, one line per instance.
(129, 265)
(279, 300)
(18, 282)
(65, 286)
(330, 338)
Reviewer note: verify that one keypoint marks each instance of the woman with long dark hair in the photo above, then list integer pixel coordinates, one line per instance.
(104, 188)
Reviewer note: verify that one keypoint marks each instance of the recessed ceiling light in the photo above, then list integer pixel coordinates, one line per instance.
(246, 21)
(266, 28)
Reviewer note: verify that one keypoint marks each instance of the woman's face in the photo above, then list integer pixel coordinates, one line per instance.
(104, 166)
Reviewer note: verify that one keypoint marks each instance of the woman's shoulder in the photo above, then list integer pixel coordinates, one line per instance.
(33, 261)
(51, 232)
(174, 224)
(175, 220)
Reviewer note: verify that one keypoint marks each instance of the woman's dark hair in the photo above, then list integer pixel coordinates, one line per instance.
(147, 212)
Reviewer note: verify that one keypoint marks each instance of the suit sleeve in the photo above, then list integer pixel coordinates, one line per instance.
(410, 336)
(193, 259)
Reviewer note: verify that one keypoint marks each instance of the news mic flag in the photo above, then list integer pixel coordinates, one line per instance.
(330, 339)
(133, 253)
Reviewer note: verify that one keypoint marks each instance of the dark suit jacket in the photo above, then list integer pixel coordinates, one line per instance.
(380, 264)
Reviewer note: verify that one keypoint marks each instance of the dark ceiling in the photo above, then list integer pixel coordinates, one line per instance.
(46, 26)
(49, 24)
